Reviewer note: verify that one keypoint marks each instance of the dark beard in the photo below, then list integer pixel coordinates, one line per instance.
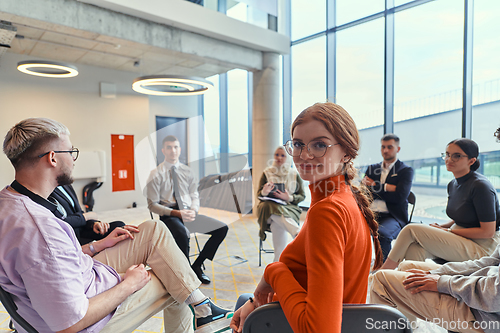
(64, 179)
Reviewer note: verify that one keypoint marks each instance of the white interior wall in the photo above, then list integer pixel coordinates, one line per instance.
(91, 119)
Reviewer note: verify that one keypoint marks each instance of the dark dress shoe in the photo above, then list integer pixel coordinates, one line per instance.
(201, 276)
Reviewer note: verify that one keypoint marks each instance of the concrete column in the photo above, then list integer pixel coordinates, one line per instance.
(265, 126)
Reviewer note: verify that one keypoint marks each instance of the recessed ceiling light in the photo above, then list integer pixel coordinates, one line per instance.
(171, 85)
(47, 68)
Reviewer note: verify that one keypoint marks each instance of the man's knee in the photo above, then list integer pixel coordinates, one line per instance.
(152, 226)
(390, 230)
(408, 264)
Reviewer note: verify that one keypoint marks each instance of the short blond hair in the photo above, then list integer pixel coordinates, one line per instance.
(24, 141)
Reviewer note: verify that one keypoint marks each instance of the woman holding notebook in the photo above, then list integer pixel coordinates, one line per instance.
(280, 191)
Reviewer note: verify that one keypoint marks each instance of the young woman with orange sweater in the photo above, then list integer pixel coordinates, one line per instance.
(328, 263)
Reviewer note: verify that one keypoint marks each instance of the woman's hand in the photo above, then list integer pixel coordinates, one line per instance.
(435, 225)
(267, 188)
(285, 196)
(241, 315)
(264, 293)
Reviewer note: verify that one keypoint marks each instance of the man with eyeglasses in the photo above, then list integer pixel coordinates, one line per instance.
(390, 183)
(59, 285)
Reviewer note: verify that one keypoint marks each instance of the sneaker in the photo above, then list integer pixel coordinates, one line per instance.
(209, 318)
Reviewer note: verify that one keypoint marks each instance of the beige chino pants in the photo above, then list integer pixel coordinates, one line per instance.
(172, 282)
(420, 241)
(441, 309)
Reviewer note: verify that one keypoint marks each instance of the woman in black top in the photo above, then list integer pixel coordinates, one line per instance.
(472, 206)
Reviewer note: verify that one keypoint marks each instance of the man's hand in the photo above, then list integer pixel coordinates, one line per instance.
(368, 181)
(390, 188)
(186, 215)
(421, 280)
(116, 236)
(100, 227)
(263, 293)
(137, 276)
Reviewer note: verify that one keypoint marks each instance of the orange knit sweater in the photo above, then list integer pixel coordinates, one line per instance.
(327, 264)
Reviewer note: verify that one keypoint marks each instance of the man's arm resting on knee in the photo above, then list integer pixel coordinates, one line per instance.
(116, 236)
(101, 305)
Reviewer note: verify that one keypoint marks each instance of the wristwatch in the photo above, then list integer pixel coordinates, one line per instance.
(449, 229)
(92, 249)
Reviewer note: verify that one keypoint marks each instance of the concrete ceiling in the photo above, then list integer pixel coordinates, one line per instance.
(42, 40)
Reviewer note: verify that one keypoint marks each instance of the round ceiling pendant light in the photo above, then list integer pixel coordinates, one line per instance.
(47, 68)
(171, 85)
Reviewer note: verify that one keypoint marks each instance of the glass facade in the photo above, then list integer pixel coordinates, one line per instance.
(399, 70)
(307, 17)
(212, 118)
(352, 10)
(308, 74)
(238, 137)
(486, 86)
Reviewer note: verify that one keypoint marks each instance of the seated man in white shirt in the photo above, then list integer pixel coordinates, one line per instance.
(172, 193)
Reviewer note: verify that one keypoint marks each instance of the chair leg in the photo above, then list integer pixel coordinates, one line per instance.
(11, 326)
(260, 252)
(198, 246)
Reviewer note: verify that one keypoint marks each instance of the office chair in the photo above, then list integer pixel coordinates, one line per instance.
(412, 200)
(10, 306)
(356, 318)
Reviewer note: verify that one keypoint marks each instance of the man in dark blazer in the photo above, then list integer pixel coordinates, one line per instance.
(390, 183)
(86, 225)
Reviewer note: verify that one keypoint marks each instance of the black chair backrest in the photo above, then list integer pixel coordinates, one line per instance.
(412, 200)
(356, 318)
(11, 308)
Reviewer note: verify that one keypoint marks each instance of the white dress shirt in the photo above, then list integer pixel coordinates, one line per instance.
(159, 189)
(380, 205)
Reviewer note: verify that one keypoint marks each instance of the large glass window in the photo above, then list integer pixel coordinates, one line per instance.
(401, 2)
(212, 118)
(251, 14)
(428, 72)
(308, 17)
(238, 111)
(351, 10)
(308, 74)
(237, 10)
(360, 83)
(486, 87)
(211, 113)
